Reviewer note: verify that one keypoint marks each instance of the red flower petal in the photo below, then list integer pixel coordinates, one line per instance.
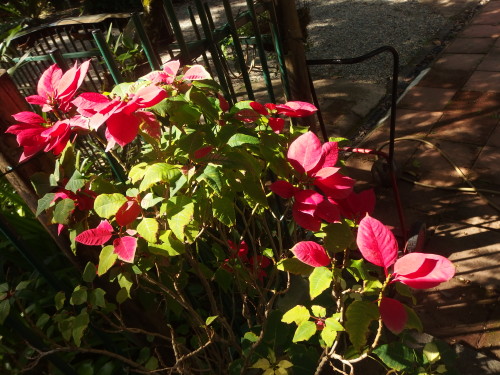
(333, 184)
(422, 271)
(277, 124)
(296, 109)
(306, 220)
(357, 205)
(328, 211)
(393, 314)
(376, 243)
(123, 128)
(247, 115)
(127, 213)
(29, 118)
(311, 253)
(305, 152)
(259, 108)
(96, 236)
(283, 188)
(202, 152)
(223, 104)
(125, 248)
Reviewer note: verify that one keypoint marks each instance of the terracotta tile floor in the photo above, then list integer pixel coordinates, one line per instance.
(456, 106)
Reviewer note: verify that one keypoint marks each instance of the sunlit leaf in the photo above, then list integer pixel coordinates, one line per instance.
(319, 280)
(107, 258)
(297, 315)
(106, 205)
(304, 331)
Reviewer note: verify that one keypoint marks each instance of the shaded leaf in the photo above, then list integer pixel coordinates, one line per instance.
(359, 315)
(295, 266)
(395, 355)
(63, 210)
(223, 210)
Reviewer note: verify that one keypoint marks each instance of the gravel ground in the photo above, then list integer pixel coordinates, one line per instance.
(348, 28)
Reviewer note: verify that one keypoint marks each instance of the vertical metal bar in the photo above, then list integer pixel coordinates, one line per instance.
(262, 53)
(213, 50)
(107, 56)
(169, 8)
(324, 133)
(220, 55)
(146, 43)
(279, 49)
(198, 37)
(238, 49)
(58, 59)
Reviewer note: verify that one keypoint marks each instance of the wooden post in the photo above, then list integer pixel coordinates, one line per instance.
(13, 102)
(295, 56)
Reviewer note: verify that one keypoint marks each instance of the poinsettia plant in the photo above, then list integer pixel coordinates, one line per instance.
(235, 243)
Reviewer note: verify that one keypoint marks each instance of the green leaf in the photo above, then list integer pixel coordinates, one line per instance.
(155, 173)
(328, 335)
(4, 310)
(223, 210)
(107, 258)
(254, 190)
(148, 229)
(80, 324)
(62, 211)
(413, 321)
(304, 331)
(241, 139)
(59, 300)
(339, 237)
(22, 285)
(137, 172)
(200, 99)
(405, 291)
(431, 352)
(262, 364)
(66, 327)
(106, 205)
(41, 183)
(318, 311)
(210, 319)
(122, 295)
(79, 295)
(76, 182)
(150, 200)
(169, 245)
(297, 314)
(89, 273)
(359, 315)
(319, 280)
(96, 297)
(295, 266)
(125, 281)
(180, 211)
(44, 203)
(395, 355)
(212, 176)
(333, 324)
(42, 320)
(250, 336)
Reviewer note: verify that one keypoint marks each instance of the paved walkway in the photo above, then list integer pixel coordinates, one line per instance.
(455, 105)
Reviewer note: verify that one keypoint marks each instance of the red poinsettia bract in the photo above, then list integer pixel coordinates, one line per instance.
(378, 245)
(315, 163)
(123, 116)
(124, 246)
(56, 89)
